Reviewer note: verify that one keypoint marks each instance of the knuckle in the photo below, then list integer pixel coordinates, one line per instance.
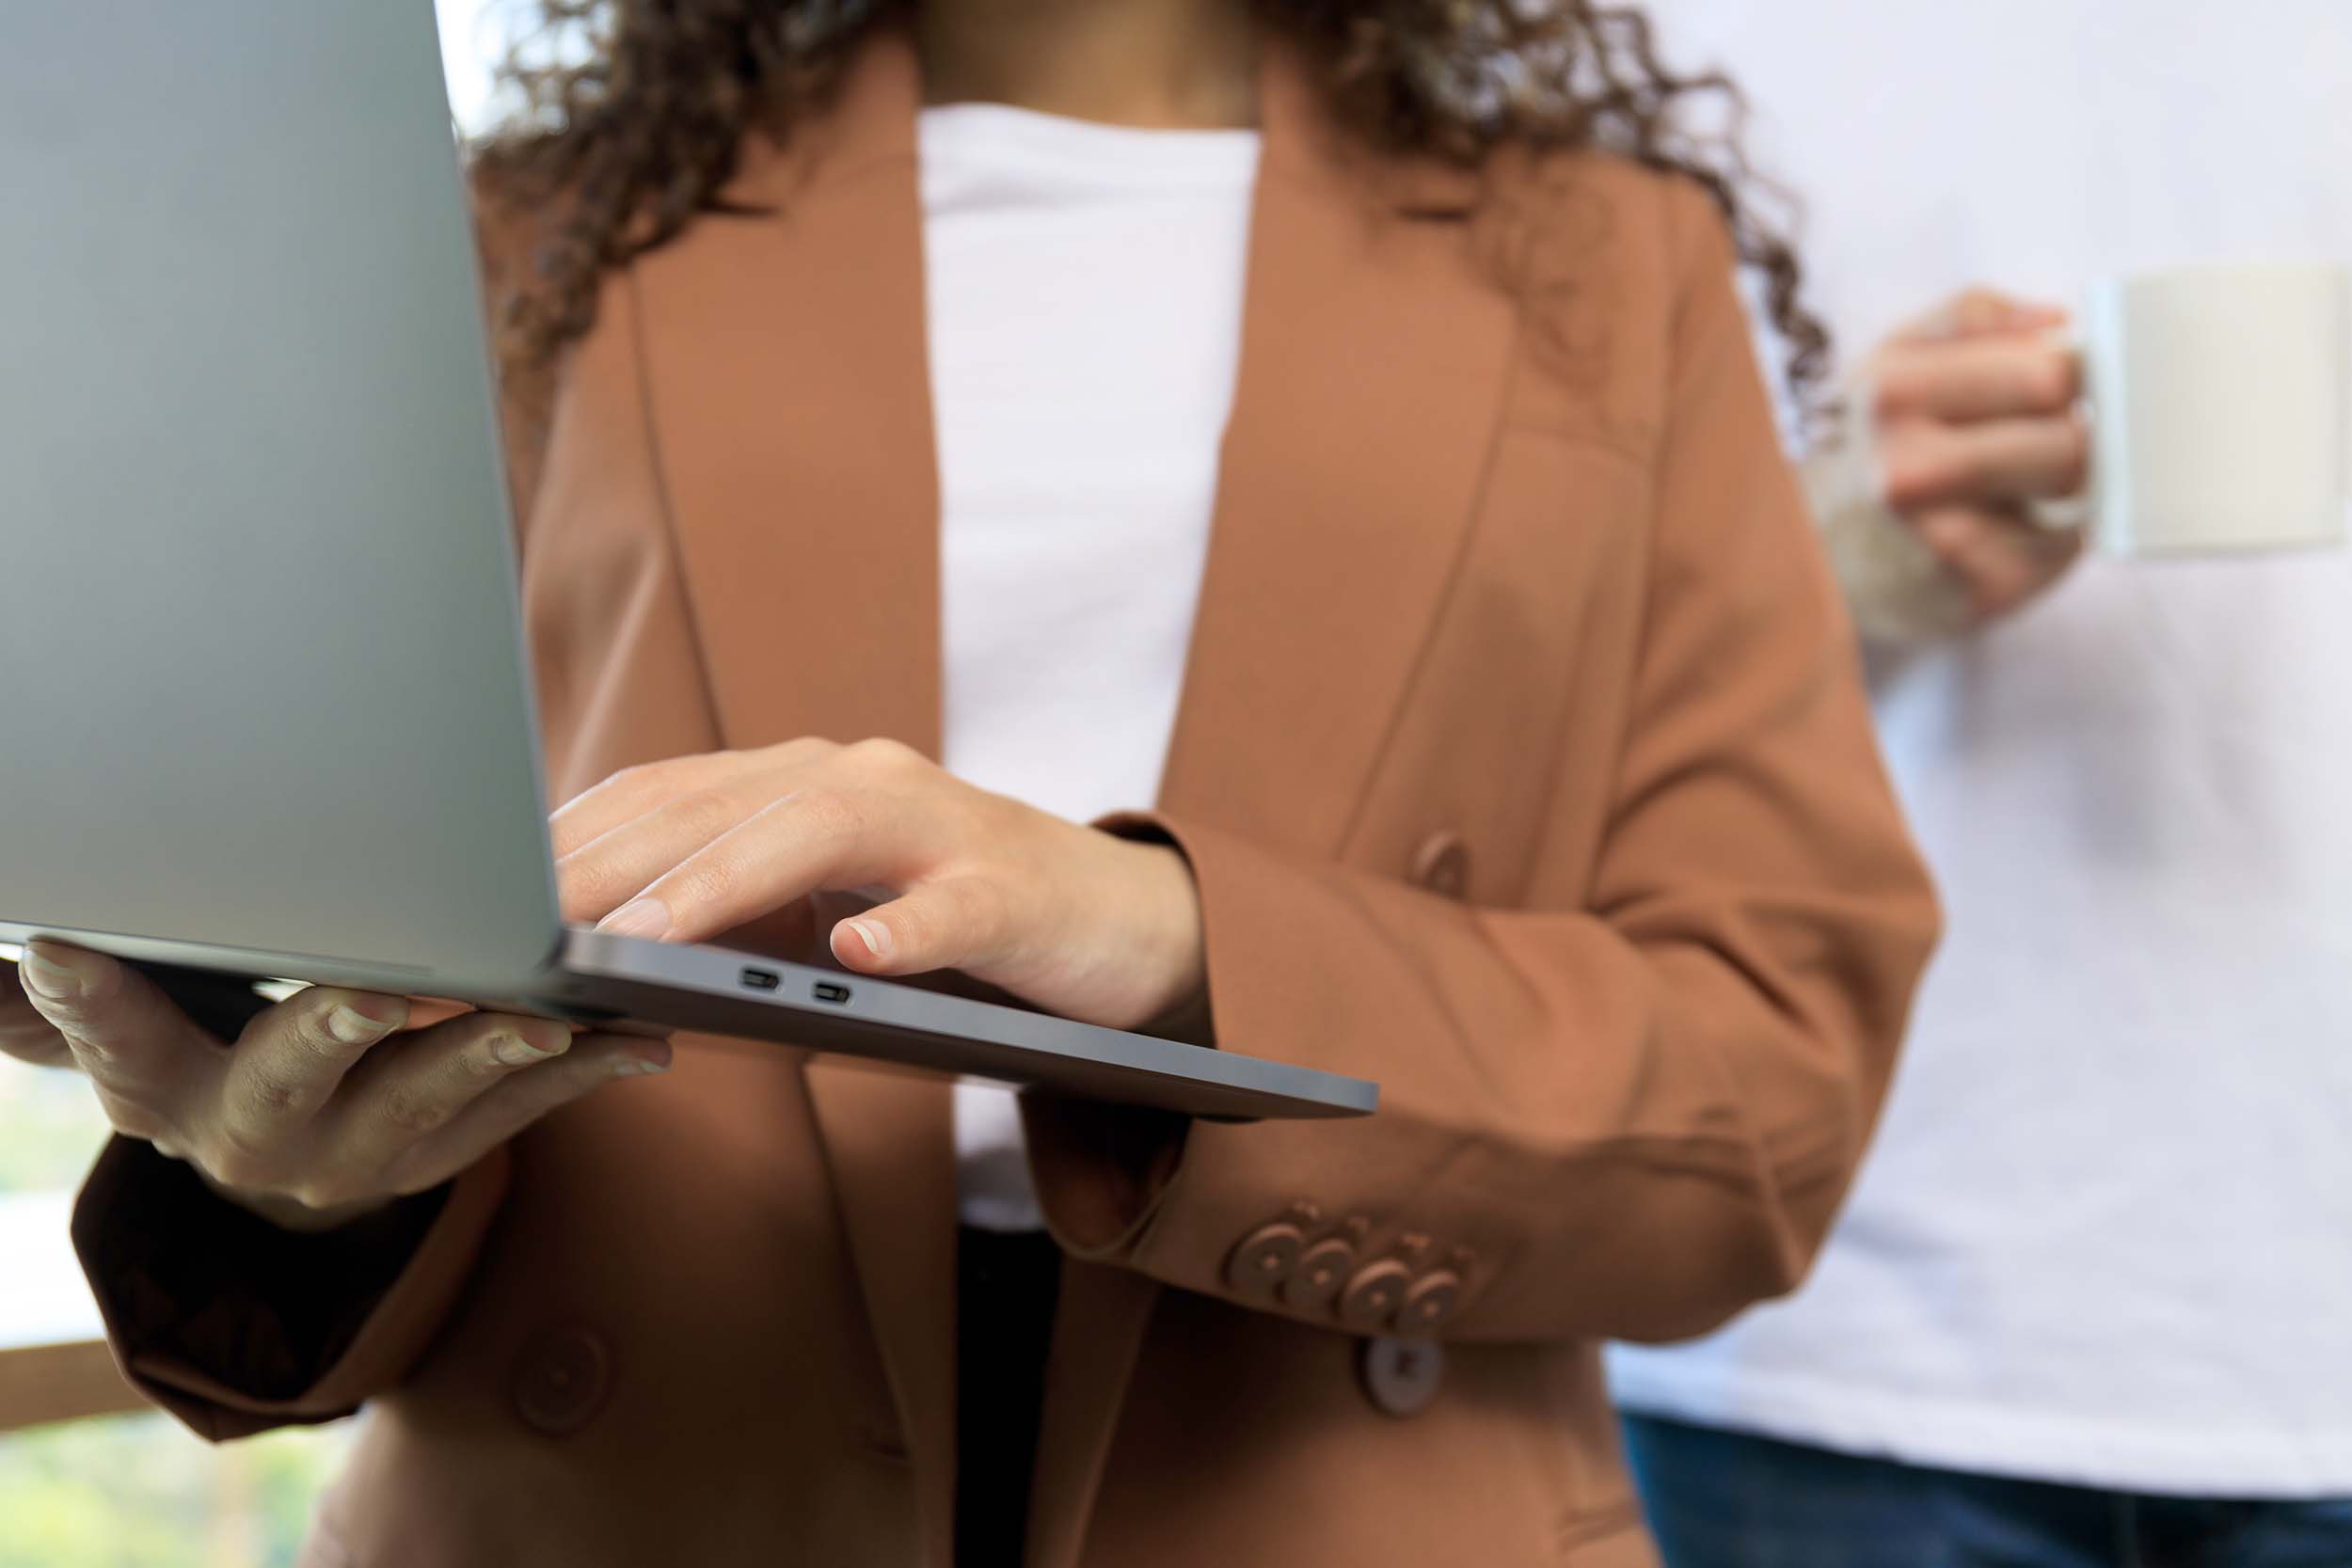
(67, 1014)
(272, 1096)
(97, 1056)
(413, 1111)
(230, 1163)
(324, 1192)
(2048, 382)
(833, 812)
(1887, 395)
(1907, 478)
(704, 815)
(705, 881)
(479, 1064)
(1978, 306)
(883, 754)
(596, 882)
(805, 749)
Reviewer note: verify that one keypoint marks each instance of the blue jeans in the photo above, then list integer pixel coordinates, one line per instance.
(1721, 1500)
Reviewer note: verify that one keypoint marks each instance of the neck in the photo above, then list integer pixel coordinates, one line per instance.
(1155, 63)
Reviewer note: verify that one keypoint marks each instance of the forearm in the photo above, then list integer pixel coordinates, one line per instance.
(1588, 1127)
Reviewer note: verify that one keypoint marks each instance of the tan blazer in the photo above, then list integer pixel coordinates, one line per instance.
(1523, 767)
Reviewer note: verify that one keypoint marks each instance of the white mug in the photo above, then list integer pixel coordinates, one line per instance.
(2220, 401)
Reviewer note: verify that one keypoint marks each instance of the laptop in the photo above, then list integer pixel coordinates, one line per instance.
(266, 710)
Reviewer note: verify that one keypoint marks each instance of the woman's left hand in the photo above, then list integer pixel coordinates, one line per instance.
(1069, 918)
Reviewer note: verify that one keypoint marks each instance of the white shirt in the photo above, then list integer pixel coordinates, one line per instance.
(2106, 1233)
(1085, 296)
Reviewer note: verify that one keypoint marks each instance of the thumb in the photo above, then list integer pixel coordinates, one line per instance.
(955, 923)
(24, 1033)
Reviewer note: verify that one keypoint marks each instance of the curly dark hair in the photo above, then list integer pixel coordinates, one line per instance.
(629, 133)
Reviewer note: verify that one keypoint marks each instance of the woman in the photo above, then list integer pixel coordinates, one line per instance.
(1504, 747)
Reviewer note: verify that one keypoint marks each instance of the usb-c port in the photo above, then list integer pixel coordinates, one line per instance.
(828, 991)
(762, 979)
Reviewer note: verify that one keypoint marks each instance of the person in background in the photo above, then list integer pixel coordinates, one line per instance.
(2091, 1302)
(1253, 521)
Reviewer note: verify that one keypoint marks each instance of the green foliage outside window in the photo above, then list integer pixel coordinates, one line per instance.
(141, 1491)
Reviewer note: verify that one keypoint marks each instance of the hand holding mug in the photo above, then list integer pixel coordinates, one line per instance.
(1972, 417)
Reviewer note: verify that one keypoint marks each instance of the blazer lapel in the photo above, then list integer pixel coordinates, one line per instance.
(791, 394)
(789, 387)
(1374, 362)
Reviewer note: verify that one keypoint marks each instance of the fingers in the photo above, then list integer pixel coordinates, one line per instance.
(631, 792)
(1926, 463)
(118, 1026)
(524, 1098)
(815, 839)
(401, 1098)
(634, 791)
(954, 922)
(1978, 310)
(1976, 378)
(2001, 558)
(605, 873)
(289, 1061)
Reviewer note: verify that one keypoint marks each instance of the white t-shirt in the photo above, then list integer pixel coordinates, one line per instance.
(1084, 294)
(2106, 1233)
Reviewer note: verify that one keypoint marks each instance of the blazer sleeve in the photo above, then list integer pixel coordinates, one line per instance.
(235, 1326)
(1631, 1108)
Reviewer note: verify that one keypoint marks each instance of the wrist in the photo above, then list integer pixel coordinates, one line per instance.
(290, 1213)
(1172, 960)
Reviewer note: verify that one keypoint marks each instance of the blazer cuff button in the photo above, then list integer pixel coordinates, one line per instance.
(1322, 1269)
(1430, 1305)
(1374, 1296)
(1263, 1260)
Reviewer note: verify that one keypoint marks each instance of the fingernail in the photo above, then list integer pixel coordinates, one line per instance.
(874, 934)
(639, 917)
(637, 1067)
(47, 977)
(514, 1047)
(354, 1027)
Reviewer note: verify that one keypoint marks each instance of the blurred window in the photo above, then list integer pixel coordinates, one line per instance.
(116, 1491)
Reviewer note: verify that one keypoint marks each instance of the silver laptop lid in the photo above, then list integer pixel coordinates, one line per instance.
(261, 686)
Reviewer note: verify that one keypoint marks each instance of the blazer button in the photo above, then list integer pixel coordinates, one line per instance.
(1264, 1259)
(1443, 865)
(1375, 1295)
(561, 1381)
(1430, 1303)
(1400, 1376)
(1322, 1269)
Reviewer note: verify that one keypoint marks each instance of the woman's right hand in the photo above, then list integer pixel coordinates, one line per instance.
(326, 1107)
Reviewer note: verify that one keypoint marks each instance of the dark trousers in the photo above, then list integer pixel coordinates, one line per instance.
(1721, 1500)
(1006, 1284)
